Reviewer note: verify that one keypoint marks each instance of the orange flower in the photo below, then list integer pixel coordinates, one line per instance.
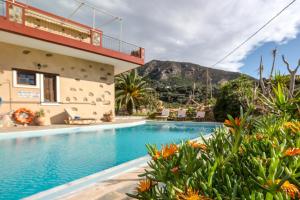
(290, 189)
(156, 155)
(191, 195)
(228, 123)
(287, 187)
(196, 145)
(237, 121)
(293, 126)
(292, 152)
(168, 151)
(144, 185)
(175, 170)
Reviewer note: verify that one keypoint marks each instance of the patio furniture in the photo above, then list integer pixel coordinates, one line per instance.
(164, 115)
(181, 115)
(200, 116)
(76, 119)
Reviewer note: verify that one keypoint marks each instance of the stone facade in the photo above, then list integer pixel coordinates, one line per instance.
(85, 87)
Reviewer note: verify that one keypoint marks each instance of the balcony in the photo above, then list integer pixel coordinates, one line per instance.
(25, 20)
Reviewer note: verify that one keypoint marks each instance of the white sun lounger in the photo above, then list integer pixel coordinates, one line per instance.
(76, 119)
(164, 114)
(200, 115)
(181, 114)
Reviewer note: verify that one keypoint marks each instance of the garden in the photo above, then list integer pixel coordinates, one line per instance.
(255, 155)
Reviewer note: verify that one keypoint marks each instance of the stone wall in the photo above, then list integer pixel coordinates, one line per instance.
(85, 87)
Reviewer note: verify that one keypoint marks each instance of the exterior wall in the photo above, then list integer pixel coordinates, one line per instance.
(85, 87)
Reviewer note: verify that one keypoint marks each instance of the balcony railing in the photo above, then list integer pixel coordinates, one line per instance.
(32, 17)
(121, 46)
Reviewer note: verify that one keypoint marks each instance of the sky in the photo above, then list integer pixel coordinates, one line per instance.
(198, 31)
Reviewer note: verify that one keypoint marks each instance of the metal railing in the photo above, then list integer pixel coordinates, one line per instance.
(115, 44)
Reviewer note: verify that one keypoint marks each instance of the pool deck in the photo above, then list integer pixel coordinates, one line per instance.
(111, 189)
(21, 128)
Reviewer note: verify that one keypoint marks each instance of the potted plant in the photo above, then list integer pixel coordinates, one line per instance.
(40, 119)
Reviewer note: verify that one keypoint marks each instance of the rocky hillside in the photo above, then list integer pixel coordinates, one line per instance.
(174, 81)
(166, 70)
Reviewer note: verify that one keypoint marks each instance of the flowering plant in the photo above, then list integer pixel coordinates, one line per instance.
(248, 158)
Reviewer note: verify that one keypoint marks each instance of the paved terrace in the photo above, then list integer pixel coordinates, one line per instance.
(111, 189)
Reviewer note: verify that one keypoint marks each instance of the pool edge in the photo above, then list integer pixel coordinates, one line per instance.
(72, 187)
(57, 131)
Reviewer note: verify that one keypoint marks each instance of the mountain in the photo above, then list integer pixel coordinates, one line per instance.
(188, 72)
(174, 81)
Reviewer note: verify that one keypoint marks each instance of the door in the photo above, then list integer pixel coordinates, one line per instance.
(50, 88)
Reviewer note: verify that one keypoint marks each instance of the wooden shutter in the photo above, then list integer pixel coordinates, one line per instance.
(49, 88)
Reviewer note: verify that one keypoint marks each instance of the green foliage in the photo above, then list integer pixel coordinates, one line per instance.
(233, 94)
(150, 100)
(40, 113)
(131, 91)
(280, 79)
(250, 157)
(175, 91)
(280, 103)
(191, 112)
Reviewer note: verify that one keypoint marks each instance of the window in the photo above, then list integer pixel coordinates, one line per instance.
(25, 79)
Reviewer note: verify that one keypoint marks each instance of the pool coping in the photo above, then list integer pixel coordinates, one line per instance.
(57, 131)
(70, 188)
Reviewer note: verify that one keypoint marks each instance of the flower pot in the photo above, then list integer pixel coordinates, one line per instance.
(40, 121)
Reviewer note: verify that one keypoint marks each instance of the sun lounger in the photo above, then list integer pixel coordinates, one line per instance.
(181, 114)
(76, 119)
(200, 115)
(164, 114)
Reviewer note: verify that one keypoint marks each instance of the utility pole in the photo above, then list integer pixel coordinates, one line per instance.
(206, 85)
(194, 87)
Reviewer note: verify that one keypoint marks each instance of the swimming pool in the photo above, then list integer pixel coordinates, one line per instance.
(34, 164)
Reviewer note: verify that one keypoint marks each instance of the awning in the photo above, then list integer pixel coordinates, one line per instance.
(37, 15)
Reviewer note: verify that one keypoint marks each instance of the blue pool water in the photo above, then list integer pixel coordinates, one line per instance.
(31, 165)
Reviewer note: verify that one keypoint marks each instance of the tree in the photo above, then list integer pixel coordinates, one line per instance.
(131, 89)
(292, 74)
(233, 95)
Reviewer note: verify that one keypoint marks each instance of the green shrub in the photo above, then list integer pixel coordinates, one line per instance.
(235, 93)
(191, 113)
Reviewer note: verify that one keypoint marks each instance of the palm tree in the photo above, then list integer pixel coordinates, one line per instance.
(130, 91)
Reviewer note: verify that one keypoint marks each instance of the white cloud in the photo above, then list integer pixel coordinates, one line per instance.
(200, 31)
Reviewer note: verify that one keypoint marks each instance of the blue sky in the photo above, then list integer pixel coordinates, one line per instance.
(290, 48)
